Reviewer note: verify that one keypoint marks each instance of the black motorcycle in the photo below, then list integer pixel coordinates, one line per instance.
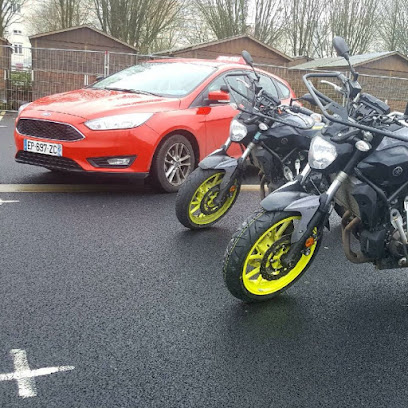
(364, 153)
(275, 138)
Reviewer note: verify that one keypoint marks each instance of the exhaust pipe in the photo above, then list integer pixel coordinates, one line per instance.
(347, 229)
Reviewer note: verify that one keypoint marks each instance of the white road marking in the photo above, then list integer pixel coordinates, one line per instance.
(83, 188)
(8, 201)
(25, 376)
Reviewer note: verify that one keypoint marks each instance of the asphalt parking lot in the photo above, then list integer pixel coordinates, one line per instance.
(109, 302)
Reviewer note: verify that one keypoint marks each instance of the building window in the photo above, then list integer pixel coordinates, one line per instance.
(16, 31)
(18, 48)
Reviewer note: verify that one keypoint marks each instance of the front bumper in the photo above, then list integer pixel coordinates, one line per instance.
(82, 155)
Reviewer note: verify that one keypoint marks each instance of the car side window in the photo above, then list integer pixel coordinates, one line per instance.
(238, 82)
(268, 85)
(284, 90)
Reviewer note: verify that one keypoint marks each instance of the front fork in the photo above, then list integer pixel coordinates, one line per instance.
(306, 226)
(233, 174)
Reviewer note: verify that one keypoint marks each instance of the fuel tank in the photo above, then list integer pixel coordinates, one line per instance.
(387, 165)
(288, 136)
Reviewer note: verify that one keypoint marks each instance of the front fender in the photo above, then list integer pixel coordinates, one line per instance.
(289, 200)
(218, 160)
(308, 207)
(279, 199)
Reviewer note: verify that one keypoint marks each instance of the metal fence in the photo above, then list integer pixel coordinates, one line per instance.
(391, 89)
(37, 72)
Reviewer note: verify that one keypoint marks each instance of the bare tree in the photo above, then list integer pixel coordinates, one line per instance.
(137, 22)
(9, 12)
(226, 18)
(393, 27)
(356, 21)
(194, 29)
(303, 19)
(51, 15)
(270, 20)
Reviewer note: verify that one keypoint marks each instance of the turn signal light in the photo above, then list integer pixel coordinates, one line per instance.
(309, 242)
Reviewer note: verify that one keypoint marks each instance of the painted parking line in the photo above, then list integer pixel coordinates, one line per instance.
(82, 188)
(25, 377)
(2, 113)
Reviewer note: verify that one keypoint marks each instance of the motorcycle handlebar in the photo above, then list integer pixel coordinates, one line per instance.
(317, 96)
(301, 109)
(252, 120)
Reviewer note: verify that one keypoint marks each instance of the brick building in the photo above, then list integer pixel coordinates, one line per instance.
(232, 46)
(69, 59)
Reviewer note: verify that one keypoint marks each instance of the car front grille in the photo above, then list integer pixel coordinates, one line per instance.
(48, 130)
(50, 162)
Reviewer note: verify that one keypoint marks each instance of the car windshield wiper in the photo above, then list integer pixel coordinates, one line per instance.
(146, 92)
(131, 90)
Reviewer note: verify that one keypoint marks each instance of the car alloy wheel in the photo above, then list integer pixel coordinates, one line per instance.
(177, 163)
(172, 164)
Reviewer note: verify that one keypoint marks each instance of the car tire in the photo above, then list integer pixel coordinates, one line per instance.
(173, 162)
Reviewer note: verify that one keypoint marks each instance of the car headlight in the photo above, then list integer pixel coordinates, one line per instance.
(22, 107)
(237, 131)
(127, 121)
(321, 153)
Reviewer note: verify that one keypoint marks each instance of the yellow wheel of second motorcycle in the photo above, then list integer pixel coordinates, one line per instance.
(253, 270)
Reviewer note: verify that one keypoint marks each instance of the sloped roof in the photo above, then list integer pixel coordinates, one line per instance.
(79, 27)
(5, 40)
(356, 60)
(216, 42)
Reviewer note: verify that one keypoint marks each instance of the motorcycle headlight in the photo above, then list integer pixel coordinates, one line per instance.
(237, 131)
(126, 121)
(321, 153)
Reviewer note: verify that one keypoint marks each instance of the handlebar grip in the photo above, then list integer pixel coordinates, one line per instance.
(341, 137)
(301, 109)
(251, 121)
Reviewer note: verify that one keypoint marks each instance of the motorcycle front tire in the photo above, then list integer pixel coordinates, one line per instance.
(195, 207)
(256, 247)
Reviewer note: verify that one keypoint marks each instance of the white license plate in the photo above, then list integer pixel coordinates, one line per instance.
(52, 149)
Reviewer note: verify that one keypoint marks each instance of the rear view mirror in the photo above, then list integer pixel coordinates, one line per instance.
(341, 47)
(218, 96)
(247, 58)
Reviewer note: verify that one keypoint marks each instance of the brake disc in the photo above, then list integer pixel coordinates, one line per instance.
(272, 269)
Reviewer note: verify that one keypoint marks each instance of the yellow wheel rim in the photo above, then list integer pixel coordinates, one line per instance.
(194, 209)
(251, 276)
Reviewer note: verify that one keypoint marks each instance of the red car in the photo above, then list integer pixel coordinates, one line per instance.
(159, 118)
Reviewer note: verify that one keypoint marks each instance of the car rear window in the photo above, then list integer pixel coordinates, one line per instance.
(172, 79)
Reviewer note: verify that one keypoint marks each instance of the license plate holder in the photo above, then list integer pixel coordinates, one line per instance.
(50, 149)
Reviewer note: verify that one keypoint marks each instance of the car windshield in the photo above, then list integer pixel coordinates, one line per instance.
(170, 79)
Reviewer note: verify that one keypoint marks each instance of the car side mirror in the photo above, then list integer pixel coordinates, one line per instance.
(224, 88)
(218, 96)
